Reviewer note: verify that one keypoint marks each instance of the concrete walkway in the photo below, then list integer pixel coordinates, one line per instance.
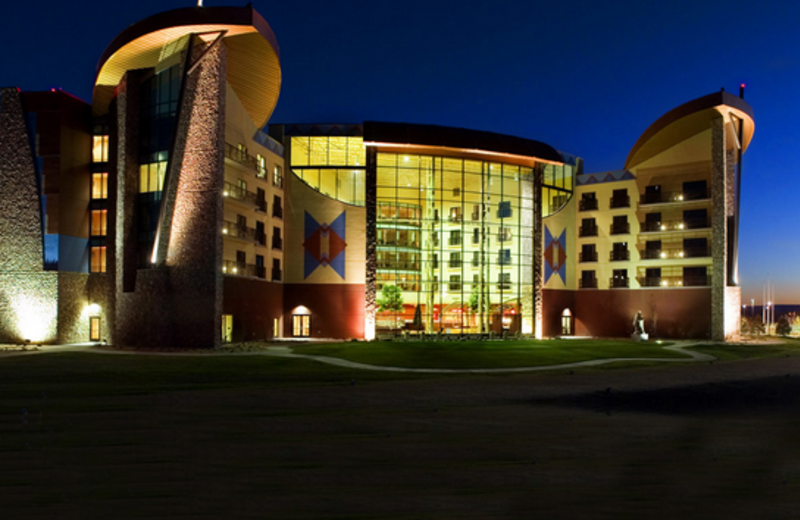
(287, 352)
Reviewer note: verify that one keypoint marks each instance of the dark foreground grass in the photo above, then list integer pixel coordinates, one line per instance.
(119, 436)
(486, 354)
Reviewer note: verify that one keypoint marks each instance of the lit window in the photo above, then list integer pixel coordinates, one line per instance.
(99, 185)
(504, 235)
(94, 328)
(151, 176)
(98, 264)
(100, 148)
(277, 176)
(99, 218)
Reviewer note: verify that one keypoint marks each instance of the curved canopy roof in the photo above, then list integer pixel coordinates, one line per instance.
(459, 138)
(690, 119)
(253, 68)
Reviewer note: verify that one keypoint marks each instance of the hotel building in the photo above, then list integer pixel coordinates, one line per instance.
(168, 212)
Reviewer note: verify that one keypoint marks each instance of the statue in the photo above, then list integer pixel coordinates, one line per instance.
(638, 328)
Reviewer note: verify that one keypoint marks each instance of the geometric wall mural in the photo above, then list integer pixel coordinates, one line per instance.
(324, 245)
(555, 255)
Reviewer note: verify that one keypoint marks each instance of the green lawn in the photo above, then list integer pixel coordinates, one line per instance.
(485, 354)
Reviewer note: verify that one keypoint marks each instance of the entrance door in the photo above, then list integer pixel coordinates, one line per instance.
(227, 328)
(301, 325)
(94, 328)
(566, 323)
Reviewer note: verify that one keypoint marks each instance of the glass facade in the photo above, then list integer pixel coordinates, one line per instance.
(466, 223)
(332, 165)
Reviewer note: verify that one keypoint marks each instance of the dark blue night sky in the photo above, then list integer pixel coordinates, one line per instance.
(587, 77)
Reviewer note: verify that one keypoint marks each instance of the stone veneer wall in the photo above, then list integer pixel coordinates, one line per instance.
(538, 253)
(719, 220)
(371, 200)
(194, 253)
(28, 293)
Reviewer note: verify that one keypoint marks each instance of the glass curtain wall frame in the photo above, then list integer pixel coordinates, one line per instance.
(456, 236)
(331, 165)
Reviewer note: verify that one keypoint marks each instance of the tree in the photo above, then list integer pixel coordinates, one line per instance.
(753, 326)
(391, 299)
(783, 327)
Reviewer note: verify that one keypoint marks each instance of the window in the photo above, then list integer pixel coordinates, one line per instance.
(504, 257)
(620, 225)
(620, 252)
(151, 176)
(455, 214)
(100, 148)
(455, 261)
(694, 190)
(476, 236)
(652, 277)
(504, 209)
(277, 208)
(588, 202)
(99, 222)
(435, 261)
(620, 199)
(588, 253)
(277, 176)
(98, 260)
(261, 272)
(652, 249)
(695, 247)
(695, 218)
(652, 222)
(242, 185)
(455, 238)
(99, 186)
(476, 212)
(588, 280)
(619, 278)
(276, 270)
(456, 192)
(588, 227)
(695, 276)
(652, 194)
(261, 165)
(277, 241)
(301, 325)
(476, 258)
(504, 282)
(504, 234)
(455, 282)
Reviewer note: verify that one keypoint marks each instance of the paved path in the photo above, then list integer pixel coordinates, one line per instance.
(681, 349)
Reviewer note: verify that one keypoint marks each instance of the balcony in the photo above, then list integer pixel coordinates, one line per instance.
(234, 230)
(620, 201)
(588, 231)
(588, 256)
(620, 256)
(277, 243)
(618, 282)
(242, 157)
(239, 194)
(675, 225)
(233, 268)
(675, 254)
(650, 281)
(398, 266)
(620, 228)
(588, 283)
(696, 281)
(277, 275)
(587, 205)
(674, 281)
(674, 197)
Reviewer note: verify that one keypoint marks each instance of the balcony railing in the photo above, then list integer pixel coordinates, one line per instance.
(587, 205)
(233, 268)
(277, 243)
(277, 211)
(402, 266)
(622, 228)
(234, 230)
(696, 281)
(242, 157)
(650, 281)
(675, 225)
(620, 201)
(277, 275)
(588, 283)
(673, 197)
(672, 254)
(231, 191)
(588, 231)
(617, 282)
(588, 256)
(620, 256)
(674, 281)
